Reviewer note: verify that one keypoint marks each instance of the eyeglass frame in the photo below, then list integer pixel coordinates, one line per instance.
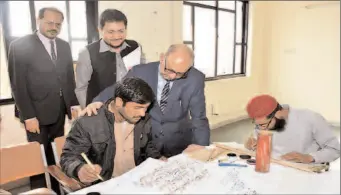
(179, 75)
(270, 116)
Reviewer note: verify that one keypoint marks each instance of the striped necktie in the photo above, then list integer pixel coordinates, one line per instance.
(164, 96)
(53, 52)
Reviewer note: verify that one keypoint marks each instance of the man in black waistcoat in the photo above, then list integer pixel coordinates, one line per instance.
(106, 61)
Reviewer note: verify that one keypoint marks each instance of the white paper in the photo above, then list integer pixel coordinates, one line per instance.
(133, 58)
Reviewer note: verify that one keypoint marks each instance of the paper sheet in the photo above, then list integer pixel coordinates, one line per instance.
(134, 58)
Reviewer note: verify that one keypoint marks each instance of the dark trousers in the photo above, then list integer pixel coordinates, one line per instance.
(47, 135)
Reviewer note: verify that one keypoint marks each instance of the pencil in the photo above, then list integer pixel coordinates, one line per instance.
(212, 151)
(91, 165)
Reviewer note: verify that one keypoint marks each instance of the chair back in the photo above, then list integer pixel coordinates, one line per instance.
(21, 161)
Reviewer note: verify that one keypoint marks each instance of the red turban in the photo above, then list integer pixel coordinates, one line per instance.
(261, 106)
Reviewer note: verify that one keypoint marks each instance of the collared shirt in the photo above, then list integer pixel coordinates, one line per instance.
(124, 155)
(84, 70)
(46, 43)
(121, 69)
(161, 82)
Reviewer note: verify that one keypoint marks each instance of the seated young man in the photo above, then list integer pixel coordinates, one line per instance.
(301, 136)
(114, 140)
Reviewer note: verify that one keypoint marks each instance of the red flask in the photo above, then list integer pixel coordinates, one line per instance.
(263, 153)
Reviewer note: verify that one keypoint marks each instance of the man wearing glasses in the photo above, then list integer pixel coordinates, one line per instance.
(179, 115)
(108, 60)
(299, 135)
(42, 79)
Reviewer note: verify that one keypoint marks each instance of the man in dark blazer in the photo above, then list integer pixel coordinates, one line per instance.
(42, 79)
(179, 115)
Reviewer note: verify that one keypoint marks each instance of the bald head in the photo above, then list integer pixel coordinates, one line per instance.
(180, 49)
(176, 62)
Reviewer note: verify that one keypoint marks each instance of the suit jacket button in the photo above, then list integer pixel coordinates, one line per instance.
(162, 123)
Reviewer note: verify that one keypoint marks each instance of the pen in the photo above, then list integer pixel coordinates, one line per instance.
(91, 165)
(231, 165)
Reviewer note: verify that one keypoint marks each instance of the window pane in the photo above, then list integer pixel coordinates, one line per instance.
(239, 21)
(212, 3)
(226, 4)
(19, 18)
(5, 89)
(78, 19)
(61, 5)
(187, 23)
(204, 39)
(237, 64)
(76, 47)
(225, 43)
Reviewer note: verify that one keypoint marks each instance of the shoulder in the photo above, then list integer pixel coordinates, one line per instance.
(94, 45)
(307, 115)
(61, 41)
(92, 124)
(145, 67)
(22, 41)
(196, 76)
(132, 43)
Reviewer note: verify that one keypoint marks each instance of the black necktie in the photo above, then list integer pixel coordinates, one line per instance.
(164, 96)
(53, 53)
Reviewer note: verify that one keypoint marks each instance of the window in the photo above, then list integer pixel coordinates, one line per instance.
(217, 32)
(18, 18)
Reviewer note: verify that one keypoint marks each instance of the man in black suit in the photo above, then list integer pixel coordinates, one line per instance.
(179, 115)
(42, 79)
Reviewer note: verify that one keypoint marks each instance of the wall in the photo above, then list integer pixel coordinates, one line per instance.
(157, 24)
(303, 56)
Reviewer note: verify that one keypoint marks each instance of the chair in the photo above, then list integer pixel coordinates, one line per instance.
(67, 184)
(57, 146)
(23, 161)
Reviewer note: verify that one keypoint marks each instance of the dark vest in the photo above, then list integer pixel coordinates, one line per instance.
(104, 67)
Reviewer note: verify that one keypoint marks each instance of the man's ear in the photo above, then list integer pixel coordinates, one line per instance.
(162, 57)
(279, 114)
(118, 102)
(100, 32)
(38, 21)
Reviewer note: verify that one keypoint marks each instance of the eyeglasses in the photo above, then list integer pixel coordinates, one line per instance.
(179, 75)
(270, 116)
(264, 125)
(51, 24)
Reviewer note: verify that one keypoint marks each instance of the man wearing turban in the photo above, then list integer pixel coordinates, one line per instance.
(299, 135)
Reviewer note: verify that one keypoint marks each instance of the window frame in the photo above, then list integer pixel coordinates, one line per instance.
(244, 36)
(91, 8)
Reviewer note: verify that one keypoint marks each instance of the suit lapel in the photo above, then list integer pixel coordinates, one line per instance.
(42, 47)
(154, 85)
(59, 54)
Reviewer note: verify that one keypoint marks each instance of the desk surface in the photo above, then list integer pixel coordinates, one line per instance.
(279, 180)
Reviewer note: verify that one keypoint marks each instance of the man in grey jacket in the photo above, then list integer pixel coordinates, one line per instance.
(300, 135)
(179, 115)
